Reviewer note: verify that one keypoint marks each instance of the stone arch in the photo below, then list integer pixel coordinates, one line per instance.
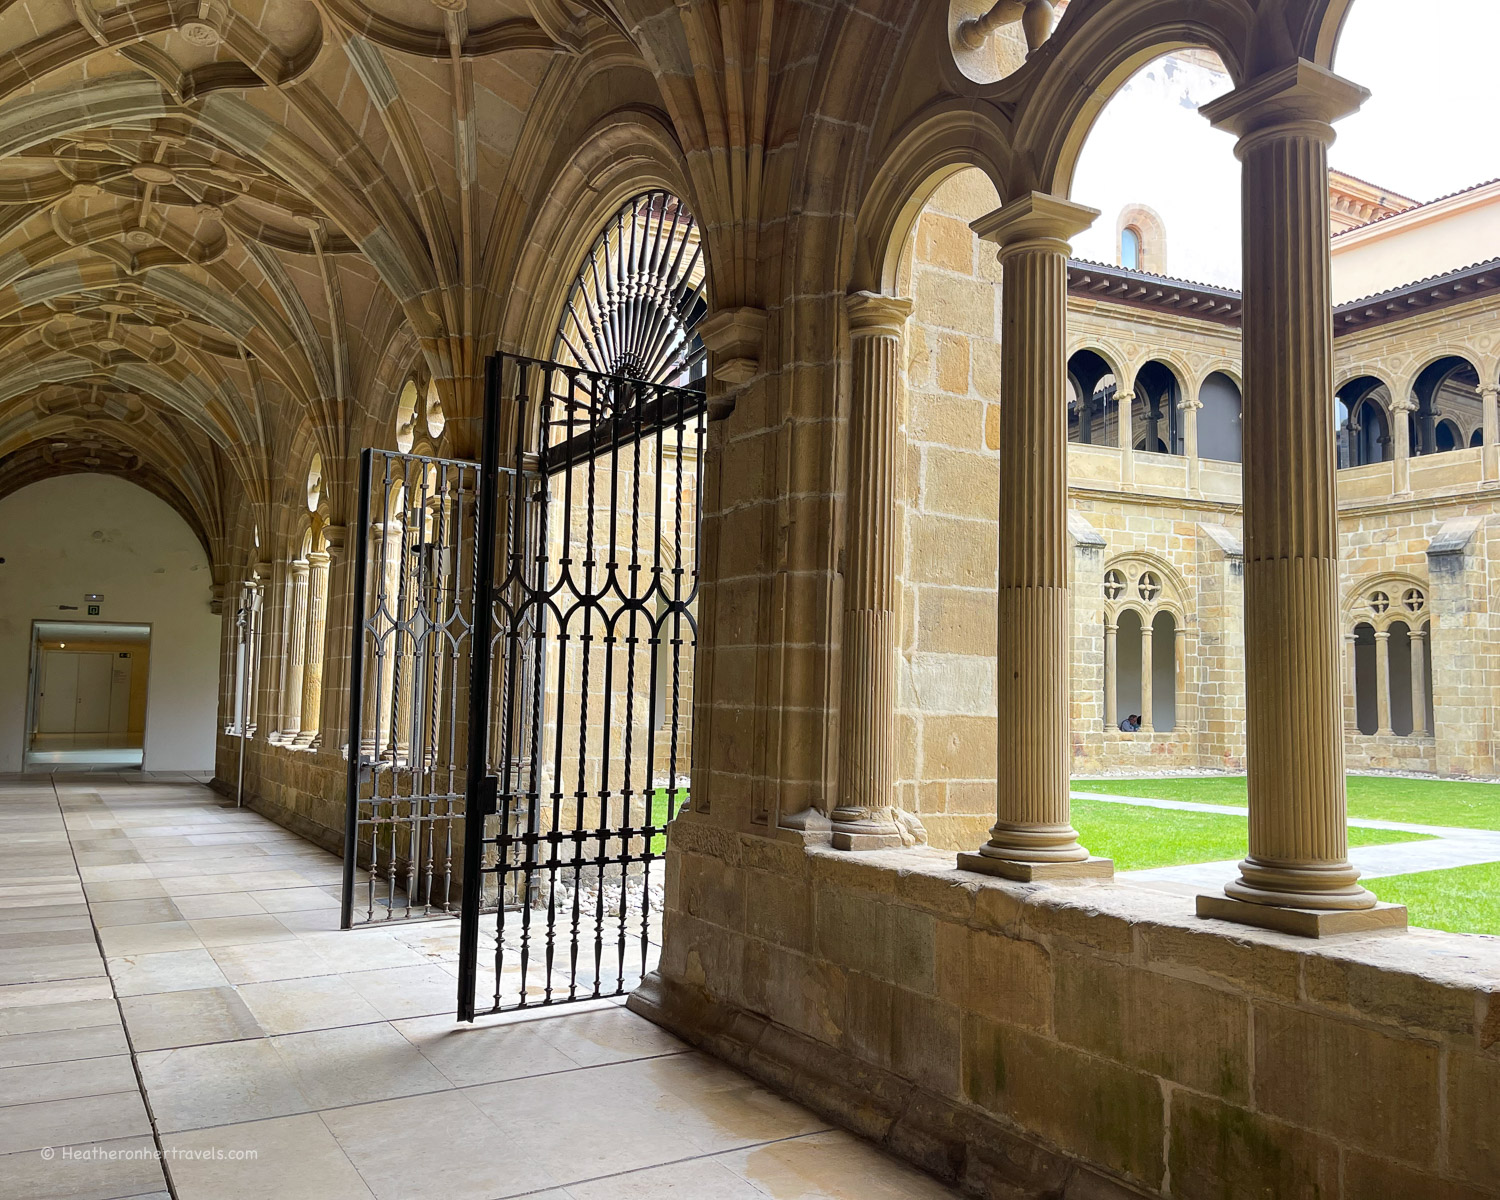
(1093, 418)
(933, 148)
(1115, 43)
(1142, 592)
(1159, 382)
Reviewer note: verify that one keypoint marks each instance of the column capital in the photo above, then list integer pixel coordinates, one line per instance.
(335, 536)
(1301, 95)
(318, 558)
(1033, 217)
(1125, 396)
(1189, 403)
(736, 337)
(298, 566)
(1488, 391)
(874, 315)
(1382, 635)
(1403, 404)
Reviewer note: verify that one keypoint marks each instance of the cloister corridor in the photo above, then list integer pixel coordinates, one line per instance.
(180, 1016)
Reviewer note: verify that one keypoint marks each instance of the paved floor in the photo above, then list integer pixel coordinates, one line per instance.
(179, 1016)
(1451, 847)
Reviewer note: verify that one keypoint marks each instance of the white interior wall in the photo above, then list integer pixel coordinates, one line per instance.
(64, 537)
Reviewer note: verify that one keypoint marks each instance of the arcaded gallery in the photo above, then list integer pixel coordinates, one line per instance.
(749, 600)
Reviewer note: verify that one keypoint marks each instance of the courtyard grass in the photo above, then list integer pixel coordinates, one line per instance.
(1459, 899)
(1138, 838)
(1371, 797)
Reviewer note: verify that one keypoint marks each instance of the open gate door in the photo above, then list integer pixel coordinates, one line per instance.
(579, 717)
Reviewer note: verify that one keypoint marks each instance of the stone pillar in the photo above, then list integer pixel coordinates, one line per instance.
(1180, 700)
(317, 630)
(1383, 682)
(1189, 408)
(1032, 837)
(1401, 410)
(1297, 876)
(864, 818)
(1418, 646)
(1111, 652)
(1490, 396)
(296, 648)
(1351, 685)
(335, 700)
(1148, 671)
(257, 643)
(1126, 401)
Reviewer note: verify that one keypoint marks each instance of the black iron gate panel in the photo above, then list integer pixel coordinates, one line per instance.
(584, 714)
(414, 578)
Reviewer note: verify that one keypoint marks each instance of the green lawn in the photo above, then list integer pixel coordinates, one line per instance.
(1460, 899)
(664, 806)
(1138, 838)
(1373, 797)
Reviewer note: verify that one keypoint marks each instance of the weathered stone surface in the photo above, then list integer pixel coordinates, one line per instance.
(1004, 978)
(1339, 1078)
(1370, 1178)
(1473, 1102)
(1257, 966)
(1180, 1030)
(1225, 1152)
(1109, 1114)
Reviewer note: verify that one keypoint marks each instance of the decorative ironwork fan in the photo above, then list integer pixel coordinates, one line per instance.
(637, 299)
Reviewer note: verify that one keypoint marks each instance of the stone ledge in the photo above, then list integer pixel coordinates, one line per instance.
(959, 1143)
(1423, 979)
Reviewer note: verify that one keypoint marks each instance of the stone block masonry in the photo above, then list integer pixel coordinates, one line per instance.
(1091, 1040)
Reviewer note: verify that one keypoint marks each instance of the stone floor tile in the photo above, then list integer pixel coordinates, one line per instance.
(220, 1084)
(65, 1122)
(445, 1146)
(188, 1018)
(124, 889)
(607, 1036)
(363, 950)
(296, 1158)
(356, 1065)
(484, 1052)
(133, 912)
(61, 1045)
(97, 1171)
(30, 995)
(35, 1083)
(172, 971)
(266, 961)
(110, 874)
(218, 904)
(830, 1166)
(295, 899)
(67, 1014)
(298, 1005)
(45, 964)
(240, 930)
(310, 920)
(155, 937)
(20, 938)
(407, 991)
(698, 1179)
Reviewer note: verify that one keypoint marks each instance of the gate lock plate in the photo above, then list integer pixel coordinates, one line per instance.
(489, 795)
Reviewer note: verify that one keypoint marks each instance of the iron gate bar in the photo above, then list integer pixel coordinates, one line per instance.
(411, 614)
(352, 749)
(607, 599)
(478, 786)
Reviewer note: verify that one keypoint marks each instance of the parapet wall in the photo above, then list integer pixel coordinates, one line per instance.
(1089, 1041)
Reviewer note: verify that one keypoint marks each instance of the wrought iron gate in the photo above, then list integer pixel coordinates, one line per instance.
(414, 560)
(579, 717)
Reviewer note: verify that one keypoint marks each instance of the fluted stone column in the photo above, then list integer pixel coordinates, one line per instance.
(1189, 408)
(865, 816)
(1111, 659)
(1032, 836)
(1490, 398)
(296, 649)
(1418, 648)
(333, 719)
(1401, 410)
(1383, 682)
(1297, 876)
(1351, 685)
(1126, 402)
(1148, 672)
(317, 630)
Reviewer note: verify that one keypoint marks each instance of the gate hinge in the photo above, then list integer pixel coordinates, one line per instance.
(489, 795)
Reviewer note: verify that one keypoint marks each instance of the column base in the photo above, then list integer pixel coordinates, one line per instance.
(847, 840)
(1082, 870)
(1304, 922)
(865, 829)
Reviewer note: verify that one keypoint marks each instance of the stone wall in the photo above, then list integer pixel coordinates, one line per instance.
(1094, 1041)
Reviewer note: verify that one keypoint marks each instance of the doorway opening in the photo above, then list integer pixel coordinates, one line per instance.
(87, 702)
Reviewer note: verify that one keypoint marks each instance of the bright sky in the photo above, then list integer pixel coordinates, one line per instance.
(1428, 129)
(1429, 126)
